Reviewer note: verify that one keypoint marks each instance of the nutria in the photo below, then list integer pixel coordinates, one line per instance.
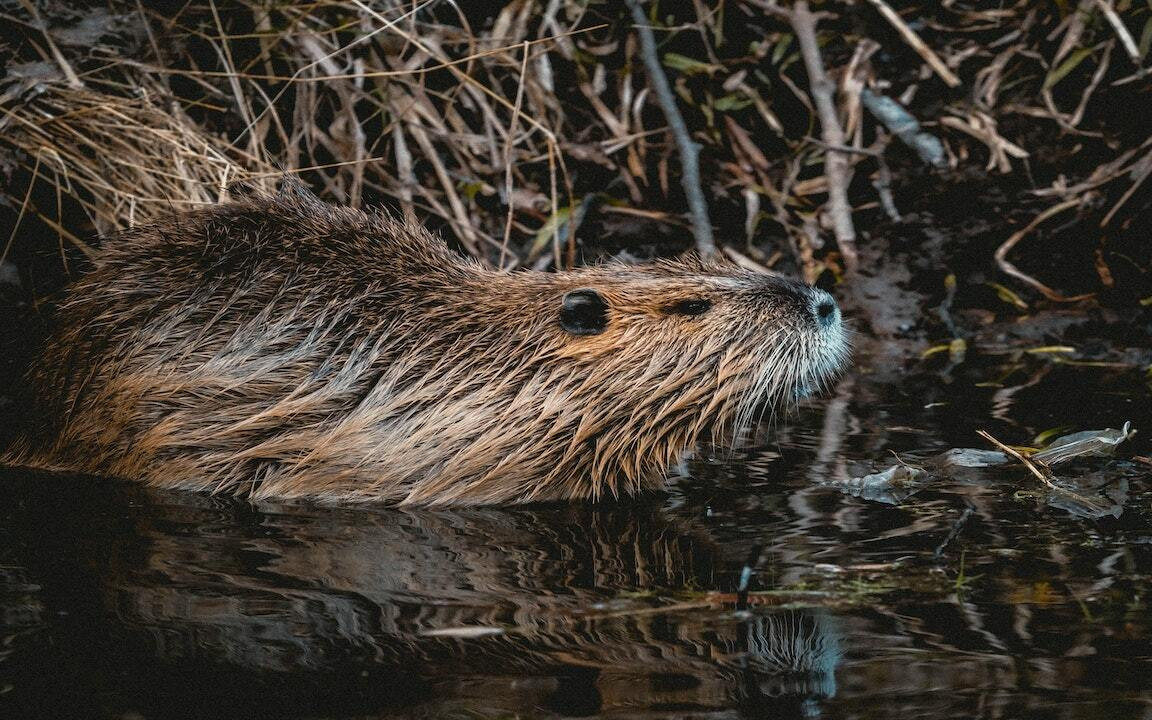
(283, 347)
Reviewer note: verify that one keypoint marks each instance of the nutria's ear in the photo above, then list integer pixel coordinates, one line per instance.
(584, 312)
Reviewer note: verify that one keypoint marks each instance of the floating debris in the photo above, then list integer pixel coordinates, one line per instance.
(969, 458)
(1092, 496)
(1090, 443)
(891, 486)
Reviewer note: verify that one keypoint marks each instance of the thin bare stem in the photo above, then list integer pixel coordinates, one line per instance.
(1015, 454)
(509, 140)
(1010, 269)
(689, 150)
(837, 168)
(917, 44)
(57, 56)
(1126, 39)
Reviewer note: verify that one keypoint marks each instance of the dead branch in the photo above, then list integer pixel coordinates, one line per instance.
(837, 168)
(1010, 269)
(1121, 30)
(1139, 173)
(471, 127)
(1015, 454)
(905, 126)
(689, 150)
(917, 44)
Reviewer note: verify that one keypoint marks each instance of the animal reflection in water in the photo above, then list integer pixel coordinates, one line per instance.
(306, 590)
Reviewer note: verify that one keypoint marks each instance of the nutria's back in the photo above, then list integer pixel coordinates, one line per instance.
(284, 347)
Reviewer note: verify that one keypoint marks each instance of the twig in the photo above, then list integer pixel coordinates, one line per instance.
(256, 145)
(883, 181)
(404, 174)
(1010, 269)
(746, 262)
(836, 164)
(1027, 463)
(1140, 172)
(463, 225)
(1069, 122)
(917, 44)
(509, 140)
(905, 126)
(1121, 31)
(689, 150)
(848, 149)
(883, 185)
(983, 128)
(1074, 32)
(65, 67)
(23, 208)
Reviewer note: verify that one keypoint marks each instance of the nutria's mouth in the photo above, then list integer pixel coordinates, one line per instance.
(796, 366)
(820, 381)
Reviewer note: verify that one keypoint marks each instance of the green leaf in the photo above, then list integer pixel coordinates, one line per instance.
(1042, 439)
(1145, 39)
(470, 189)
(732, 101)
(1066, 67)
(781, 48)
(1008, 296)
(687, 65)
(548, 229)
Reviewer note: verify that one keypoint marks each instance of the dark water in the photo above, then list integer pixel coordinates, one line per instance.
(977, 596)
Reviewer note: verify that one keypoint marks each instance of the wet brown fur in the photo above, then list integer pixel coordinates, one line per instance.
(282, 347)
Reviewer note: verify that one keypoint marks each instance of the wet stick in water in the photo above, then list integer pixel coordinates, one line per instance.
(1042, 477)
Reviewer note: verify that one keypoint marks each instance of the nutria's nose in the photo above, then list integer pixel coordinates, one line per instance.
(824, 308)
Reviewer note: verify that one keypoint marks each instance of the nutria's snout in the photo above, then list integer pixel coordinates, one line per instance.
(828, 346)
(824, 309)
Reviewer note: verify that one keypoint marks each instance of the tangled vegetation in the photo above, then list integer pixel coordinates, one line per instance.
(547, 133)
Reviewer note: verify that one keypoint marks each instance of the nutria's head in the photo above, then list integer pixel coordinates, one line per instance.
(771, 338)
(597, 379)
(283, 347)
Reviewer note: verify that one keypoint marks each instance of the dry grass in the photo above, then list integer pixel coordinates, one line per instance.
(125, 159)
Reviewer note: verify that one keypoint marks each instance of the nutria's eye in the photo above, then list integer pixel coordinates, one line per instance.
(698, 306)
(584, 313)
